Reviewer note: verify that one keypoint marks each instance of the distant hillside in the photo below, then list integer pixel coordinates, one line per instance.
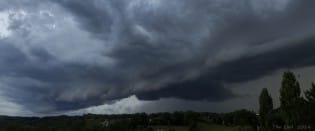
(177, 121)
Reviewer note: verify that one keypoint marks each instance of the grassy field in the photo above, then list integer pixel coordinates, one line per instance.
(173, 128)
(200, 127)
(207, 127)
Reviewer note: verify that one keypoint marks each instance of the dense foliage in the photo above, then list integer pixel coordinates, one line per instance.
(290, 98)
(295, 112)
(266, 107)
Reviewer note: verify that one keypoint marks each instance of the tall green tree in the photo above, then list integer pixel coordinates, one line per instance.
(310, 95)
(265, 109)
(310, 99)
(290, 98)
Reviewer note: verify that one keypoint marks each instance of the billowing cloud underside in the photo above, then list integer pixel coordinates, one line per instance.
(68, 54)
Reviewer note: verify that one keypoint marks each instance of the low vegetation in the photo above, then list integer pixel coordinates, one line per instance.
(177, 121)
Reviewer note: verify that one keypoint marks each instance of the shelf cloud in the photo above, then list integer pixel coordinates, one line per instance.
(63, 55)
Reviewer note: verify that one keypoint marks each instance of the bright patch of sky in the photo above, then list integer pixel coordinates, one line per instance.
(4, 25)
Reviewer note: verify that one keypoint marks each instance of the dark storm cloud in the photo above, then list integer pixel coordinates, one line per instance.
(243, 27)
(149, 48)
(42, 86)
(18, 4)
(240, 70)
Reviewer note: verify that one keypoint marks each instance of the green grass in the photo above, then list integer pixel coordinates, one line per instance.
(176, 128)
(200, 127)
(207, 127)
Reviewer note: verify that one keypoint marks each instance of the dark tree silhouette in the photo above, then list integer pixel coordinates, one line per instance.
(290, 98)
(310, 99)
(310, 95)
(265, 109)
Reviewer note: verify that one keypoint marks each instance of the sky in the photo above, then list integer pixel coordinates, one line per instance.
(126, 56)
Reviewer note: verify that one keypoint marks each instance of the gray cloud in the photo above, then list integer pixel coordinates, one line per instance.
(67, 54)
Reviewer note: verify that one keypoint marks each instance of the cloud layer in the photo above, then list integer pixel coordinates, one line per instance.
(70, 54)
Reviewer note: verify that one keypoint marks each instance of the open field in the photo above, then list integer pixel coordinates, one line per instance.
(198, 127)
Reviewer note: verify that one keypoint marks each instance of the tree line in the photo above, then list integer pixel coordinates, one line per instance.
(129, 122)
(295, 112)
